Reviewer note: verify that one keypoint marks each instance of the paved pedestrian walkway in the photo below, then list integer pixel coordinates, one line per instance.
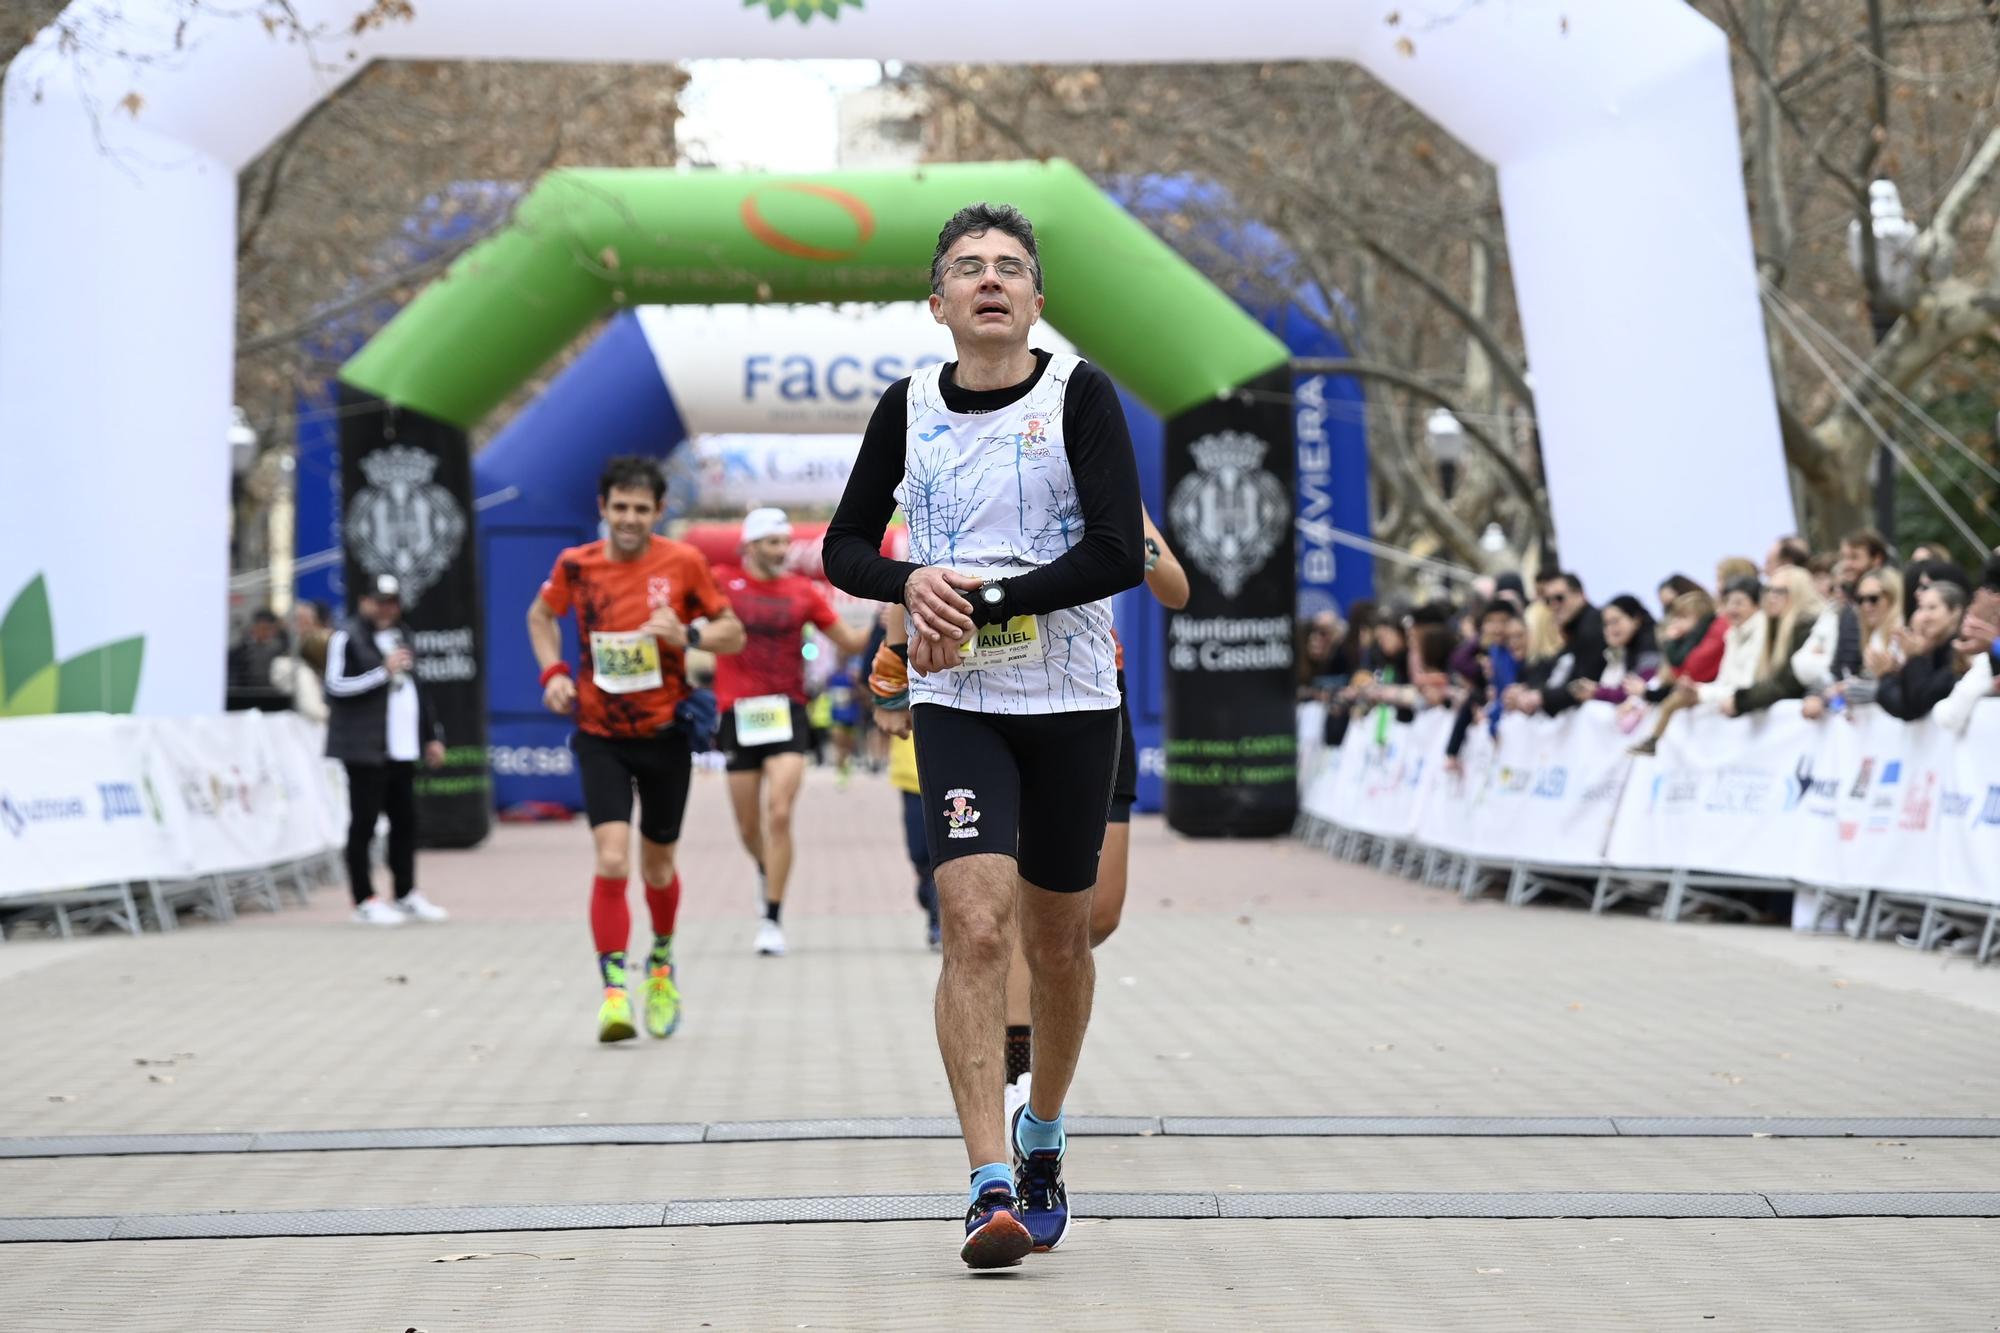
(1317, 1096)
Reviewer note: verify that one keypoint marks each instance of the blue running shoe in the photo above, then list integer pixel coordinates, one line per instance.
(994, 1235)
(1038, 1183)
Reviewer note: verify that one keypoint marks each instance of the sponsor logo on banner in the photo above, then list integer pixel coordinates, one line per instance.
(1991, 813)
(1549, 783)
(120, 801)
(527, 761)
(1918, 804)
(1739, 791)
(1315, 506)
(404, 523)
(17, 814)
(1881, 807)
(769, 235)
(1861, 780)
(1806, 786)
(1954, 804)
(1230, 514)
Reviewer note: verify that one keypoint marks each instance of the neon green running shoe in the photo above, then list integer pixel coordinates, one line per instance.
(614, 1016)
(663, 1002)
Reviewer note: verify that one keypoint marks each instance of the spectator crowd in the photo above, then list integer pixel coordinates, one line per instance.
(1839, 630)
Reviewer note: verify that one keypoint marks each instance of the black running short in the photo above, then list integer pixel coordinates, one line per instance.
(750, 758)
(1125, 786)
(1034, 786)
(656, 768)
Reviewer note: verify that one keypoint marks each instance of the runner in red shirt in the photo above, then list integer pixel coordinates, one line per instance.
(640, 601)
(761, 693)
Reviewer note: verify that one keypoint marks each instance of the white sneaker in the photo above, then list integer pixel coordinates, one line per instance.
(419, 908)
(375, 912)
(770, 939)
(1015, 1096)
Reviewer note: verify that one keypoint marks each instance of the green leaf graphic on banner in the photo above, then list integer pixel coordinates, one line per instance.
(103, 680)
(32, 683)
(803, 10)
(36, 696)
(27, 639)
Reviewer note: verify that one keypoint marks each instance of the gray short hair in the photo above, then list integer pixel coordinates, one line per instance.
(975, 219)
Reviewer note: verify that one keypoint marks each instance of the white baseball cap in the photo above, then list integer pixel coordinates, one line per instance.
(762, 523)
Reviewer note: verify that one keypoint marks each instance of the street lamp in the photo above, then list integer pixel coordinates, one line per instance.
(1447, 441)
(1892, 293)
(1493, 541)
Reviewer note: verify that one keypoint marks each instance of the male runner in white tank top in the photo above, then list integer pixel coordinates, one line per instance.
(1015, 472)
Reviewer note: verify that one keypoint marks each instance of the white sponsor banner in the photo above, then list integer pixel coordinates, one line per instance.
(92, 799)
(1968, 864)
(800, 369)
(1721, 796)
(1377, 784)
(78, 804)
(1863, 801)
(1550, 787)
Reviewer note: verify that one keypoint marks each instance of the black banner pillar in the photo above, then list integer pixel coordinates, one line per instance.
(1231, 728)
(406, 488)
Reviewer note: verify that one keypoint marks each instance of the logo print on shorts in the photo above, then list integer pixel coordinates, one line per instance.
(960, 814)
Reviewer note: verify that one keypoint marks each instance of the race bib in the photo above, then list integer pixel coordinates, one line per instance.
(625, 663)
(1015, 643)
(765, 720)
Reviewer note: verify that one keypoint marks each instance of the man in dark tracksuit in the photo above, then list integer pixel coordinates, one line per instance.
(380, 725)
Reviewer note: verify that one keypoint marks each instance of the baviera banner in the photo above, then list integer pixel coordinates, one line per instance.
(1231, 739)
(406, 479)
(1864, 801)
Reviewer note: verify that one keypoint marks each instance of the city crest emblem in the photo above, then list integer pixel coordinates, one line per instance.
(1231, 514)
(403, 522)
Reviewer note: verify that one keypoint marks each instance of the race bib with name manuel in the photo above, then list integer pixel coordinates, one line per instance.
(1015, 643)
(625, 663)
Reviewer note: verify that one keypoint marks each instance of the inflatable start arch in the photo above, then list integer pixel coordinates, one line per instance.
(1611, 123)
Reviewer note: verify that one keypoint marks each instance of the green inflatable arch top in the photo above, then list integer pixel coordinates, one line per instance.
(586, 241)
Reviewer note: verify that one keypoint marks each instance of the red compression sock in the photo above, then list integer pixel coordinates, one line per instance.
(610, 917)
(664, 904)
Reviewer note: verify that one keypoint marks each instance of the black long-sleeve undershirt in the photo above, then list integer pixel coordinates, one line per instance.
(1106, 560)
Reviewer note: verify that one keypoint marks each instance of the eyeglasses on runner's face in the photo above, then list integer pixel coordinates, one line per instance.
(972, 269)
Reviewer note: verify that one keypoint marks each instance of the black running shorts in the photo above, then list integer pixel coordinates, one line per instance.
(1034, 786)
(750, 758)
(1125, 786)
(658, 768)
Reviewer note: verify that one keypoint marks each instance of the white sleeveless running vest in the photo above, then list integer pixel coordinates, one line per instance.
(991, 494)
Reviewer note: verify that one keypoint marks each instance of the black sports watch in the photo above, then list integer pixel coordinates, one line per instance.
(989, 603)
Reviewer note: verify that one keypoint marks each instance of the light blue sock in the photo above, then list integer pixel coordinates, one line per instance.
(1035, 1135)
(993, 1173)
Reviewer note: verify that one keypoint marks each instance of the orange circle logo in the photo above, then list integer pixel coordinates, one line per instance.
(759, 227)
